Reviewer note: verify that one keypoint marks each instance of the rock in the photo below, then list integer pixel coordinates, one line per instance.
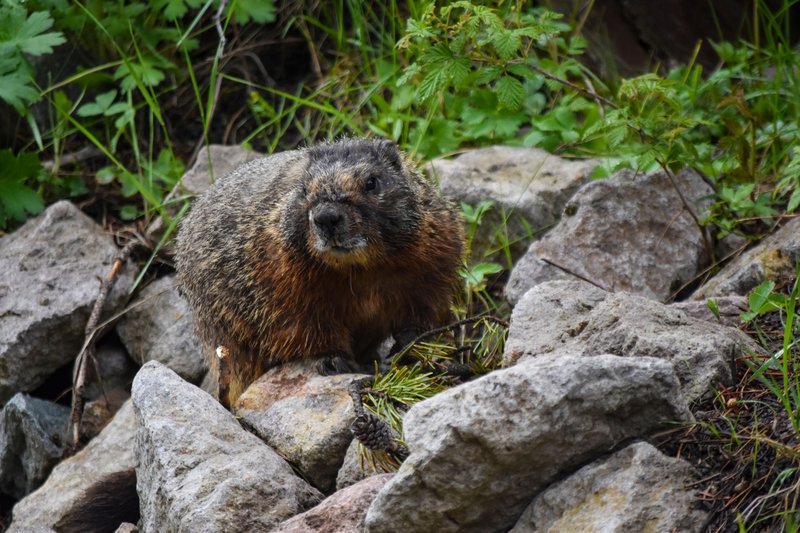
(116, 369)
(626, 233)
(50, 269)
(198, 470)
(481, 451)
(576, 318)
(730, 310)
(159, 327)
(773, 258)
(304, 417)
(127, 527)
(636, 489)
(98, 412)
(109, 390)
(222, 159)
(352, 471)
(111, 452)
(33, 434)
(342, 512)
(528, 186)
(197, 179)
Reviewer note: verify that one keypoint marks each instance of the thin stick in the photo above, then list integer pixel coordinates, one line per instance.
(89, 349)
(573, 273)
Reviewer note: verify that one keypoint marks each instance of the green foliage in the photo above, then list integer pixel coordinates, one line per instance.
(17, 198)
(23, 34)
(425, 368)
(119, 104)
(786, 385)
(478, 77)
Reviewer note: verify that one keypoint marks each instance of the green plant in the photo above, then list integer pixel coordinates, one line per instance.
(17, 198)
(23, 35)
(787, 388)
(484, 73)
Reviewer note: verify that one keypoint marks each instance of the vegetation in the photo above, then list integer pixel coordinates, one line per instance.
(109, 101)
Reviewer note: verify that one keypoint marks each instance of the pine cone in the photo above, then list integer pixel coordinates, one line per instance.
(373, 432)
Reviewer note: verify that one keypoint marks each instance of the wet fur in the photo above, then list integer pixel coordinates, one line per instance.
(250, 266)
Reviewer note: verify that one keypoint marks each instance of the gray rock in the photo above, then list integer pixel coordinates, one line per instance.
(48, 284)
(773, 258)
(213, 162)
(576, 318)
(160, 327)
(481, 451)
(342, 512)
(115, 370)
(222, 160)
(109, 453)
(528, 186)
(33, 434)
(198, 470)
(626, 233)
(352, 471)
(304, 417)
(730, 310)
(636, 489)
(127, 527)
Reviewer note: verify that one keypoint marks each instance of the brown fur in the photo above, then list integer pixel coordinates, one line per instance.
(271, 282)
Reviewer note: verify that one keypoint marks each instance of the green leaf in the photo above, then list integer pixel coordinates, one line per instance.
(17, 199)
(260, 11)
(523, 71)
(129, 212)
(16, 90)
(105, 175)
(459, 71)
(431, 84)
(794, 200)
(506, 42)
(476, 276)
(25, 33)
(100, 106)
(758, 299)
(488, 74)
(510, 93)
(174, 9)
(146, 70)
(713, 306)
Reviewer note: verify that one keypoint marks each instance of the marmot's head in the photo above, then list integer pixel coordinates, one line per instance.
(356, 204)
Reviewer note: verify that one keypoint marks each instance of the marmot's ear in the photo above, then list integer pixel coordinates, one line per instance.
(390, 153)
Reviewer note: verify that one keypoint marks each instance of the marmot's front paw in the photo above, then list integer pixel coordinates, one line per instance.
(336, 363)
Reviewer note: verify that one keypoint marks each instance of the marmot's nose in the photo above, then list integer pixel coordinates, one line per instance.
(328, 219)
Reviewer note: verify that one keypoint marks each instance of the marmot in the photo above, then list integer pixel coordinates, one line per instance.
(319, 253)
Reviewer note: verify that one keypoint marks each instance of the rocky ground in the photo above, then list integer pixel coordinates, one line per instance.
(599, 359)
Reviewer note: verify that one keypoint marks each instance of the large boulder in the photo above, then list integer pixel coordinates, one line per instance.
(529, 188)
(108, 454)
(304, 417)
(49, 271)
(214, 162)
(630, 232)
(159, 327)
(198, 470)
(33, 434)
(576, 318)
(342, 512)
(481, 451)
(773, 258)
(636, 489)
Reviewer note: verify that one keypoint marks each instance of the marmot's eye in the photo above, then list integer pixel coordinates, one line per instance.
(371, 183)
